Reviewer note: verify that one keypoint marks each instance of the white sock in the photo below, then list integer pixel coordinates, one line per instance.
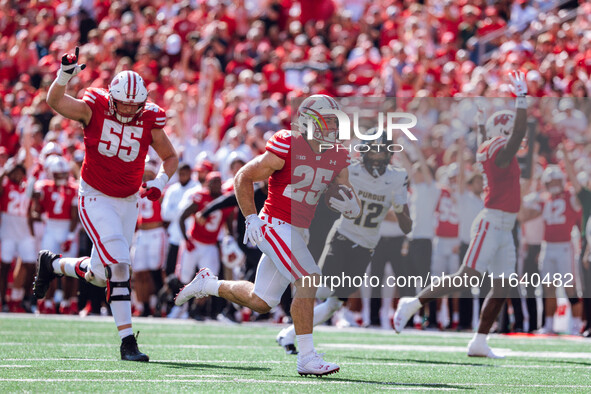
(121, 311)
(549, 325)
(305, 343)
(322, 312)
(67, 265)
(212, 287)
(153, 301)
(17, 294)
(455, 317)
(480, 338)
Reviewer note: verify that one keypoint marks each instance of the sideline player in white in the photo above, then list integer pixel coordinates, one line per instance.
(298, 174)
(119, 127)
(491, 246)
(351, 242)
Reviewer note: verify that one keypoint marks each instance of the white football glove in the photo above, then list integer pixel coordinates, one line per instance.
(348, 206)
(519, 86)
(254, 229)
(69, 68)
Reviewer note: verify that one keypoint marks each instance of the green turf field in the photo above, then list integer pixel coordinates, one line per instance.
(50, 354)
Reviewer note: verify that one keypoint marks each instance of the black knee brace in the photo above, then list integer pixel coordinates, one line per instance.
(111, 285)
(573, 300)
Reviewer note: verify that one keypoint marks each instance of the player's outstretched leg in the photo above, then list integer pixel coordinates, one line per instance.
(407, 307)
(45, 273)
(196, 288)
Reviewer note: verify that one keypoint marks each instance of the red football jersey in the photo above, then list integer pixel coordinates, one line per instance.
(56, 201)
(501, 185)
(294, 190)
(208, 233)
(14, 200)
(115, 152)
(447, 215)
(560, 213)
(150, 211)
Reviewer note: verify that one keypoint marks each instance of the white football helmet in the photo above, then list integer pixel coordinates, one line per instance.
(232, 255)
(51, 148)
(127, 88)
(59, 169)
(308, 112)
(552, 173)
(500, 124)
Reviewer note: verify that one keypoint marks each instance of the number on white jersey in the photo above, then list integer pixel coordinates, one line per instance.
(120, 140)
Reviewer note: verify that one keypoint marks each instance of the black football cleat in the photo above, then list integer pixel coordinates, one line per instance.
(130, 352)
(45, 273)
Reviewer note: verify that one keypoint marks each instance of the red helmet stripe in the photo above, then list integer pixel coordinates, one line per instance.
(128, 84)
(134, 86)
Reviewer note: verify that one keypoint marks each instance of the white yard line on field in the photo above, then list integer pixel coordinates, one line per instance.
(454, 349)
(94, 371)
(15, 366)
(292, 361)
(303, 381)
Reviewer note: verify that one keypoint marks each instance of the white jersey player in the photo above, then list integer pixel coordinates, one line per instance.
(351, 242)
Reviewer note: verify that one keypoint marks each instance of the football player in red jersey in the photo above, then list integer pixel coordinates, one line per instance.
(148, 252)
(298, 173)
(200, 246)
(491, 247)
(560, 210)
(56, 199)
(16, 234)
(120, 124)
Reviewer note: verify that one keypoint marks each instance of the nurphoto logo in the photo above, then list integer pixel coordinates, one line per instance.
(394, 122)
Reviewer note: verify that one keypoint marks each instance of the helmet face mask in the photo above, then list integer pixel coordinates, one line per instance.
(127, 96)
(325, 127)
(376, 162)
(553, 180)
(59, 170)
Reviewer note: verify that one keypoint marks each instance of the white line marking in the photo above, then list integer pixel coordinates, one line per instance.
(303, 381)
(95, 371)
(373, 363)
(454, 349)
(15, 366)
(145, 345)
